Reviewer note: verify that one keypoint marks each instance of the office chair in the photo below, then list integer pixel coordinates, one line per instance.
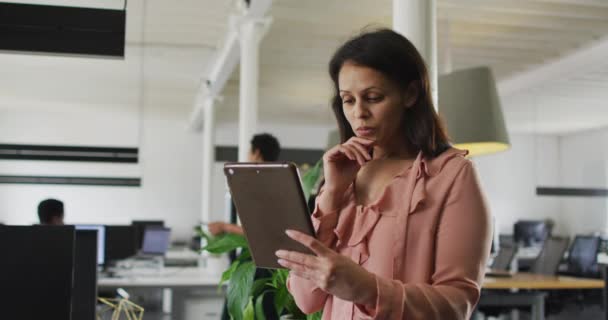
(506, 240)
(503, 259)
(582, 262)
(582, 257)
(527, 233)
(550, 256)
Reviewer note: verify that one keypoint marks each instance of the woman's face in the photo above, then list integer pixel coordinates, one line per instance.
(372, 104)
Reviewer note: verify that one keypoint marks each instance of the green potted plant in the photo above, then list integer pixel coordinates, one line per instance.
(246, 296)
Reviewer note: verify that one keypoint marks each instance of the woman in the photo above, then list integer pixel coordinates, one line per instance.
(402, 228)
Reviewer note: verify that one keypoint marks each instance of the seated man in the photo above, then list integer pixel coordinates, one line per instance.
(50, 212)
(264, 148)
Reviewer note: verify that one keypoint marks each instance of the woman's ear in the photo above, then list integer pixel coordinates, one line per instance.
(412, 94)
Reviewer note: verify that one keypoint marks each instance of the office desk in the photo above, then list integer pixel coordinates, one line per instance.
(533, 299)
(168, 277)
(541, 282)
(177, 283)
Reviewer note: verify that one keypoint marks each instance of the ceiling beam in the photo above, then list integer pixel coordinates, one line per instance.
(222, 67)
(533, 22)
(588, 3)
(527, 8)
(574, 63)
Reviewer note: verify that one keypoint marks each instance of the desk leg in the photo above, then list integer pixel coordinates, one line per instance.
(538, 308)
(179, 304)
(167, 300)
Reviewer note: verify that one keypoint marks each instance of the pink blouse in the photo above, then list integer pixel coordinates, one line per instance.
(426, 239)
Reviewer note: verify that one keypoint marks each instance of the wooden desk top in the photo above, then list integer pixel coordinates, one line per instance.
(541, 282)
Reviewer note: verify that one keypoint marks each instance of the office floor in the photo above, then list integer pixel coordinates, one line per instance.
(568, 313)
(196, 311)
(195, 306)
(209, 308)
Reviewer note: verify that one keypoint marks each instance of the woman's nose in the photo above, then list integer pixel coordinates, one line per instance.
(361, 110)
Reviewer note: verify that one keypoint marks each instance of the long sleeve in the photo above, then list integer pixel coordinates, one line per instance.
(308, 297)
(462, 249)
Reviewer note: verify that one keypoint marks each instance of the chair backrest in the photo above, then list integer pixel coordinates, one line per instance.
(528, 233)
(582, 257)
(550, 256)
(503, 259)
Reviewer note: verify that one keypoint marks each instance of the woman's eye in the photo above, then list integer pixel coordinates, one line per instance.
(374, 98)
(347, 100)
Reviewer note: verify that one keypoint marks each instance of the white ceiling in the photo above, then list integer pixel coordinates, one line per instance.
(528, 43)
(514, 37)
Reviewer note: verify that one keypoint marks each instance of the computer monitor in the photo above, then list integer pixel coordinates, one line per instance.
(529, 233)
(140, 227)
(36, 272)
(156, 241)
(101, 239)
(84, 298)
(120, 242)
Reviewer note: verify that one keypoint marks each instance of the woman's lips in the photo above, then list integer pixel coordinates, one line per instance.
(365, 131)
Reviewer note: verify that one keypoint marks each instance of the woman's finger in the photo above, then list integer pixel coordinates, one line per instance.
(304, 275)
(348, 153)
(361, 149)
(356, 155)
(313, 244)
(364, 141)
(299, 258)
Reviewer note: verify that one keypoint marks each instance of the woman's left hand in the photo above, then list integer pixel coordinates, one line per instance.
(332, 272)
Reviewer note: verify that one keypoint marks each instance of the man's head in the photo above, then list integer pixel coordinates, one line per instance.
(50, 212)
(264, 147)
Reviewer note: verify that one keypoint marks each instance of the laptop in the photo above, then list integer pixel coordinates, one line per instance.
(155, 242)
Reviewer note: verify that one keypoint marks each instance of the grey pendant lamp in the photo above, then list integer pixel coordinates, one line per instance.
(470, 106)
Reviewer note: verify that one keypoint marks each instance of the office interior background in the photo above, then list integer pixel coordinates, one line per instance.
(548, 58)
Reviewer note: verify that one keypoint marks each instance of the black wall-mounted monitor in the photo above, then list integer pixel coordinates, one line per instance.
(62, 30)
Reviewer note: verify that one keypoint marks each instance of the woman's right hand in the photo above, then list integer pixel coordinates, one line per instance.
(340, 166)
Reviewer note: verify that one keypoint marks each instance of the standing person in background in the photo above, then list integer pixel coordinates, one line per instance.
(50, 212)
(402, 228)
(264, 148)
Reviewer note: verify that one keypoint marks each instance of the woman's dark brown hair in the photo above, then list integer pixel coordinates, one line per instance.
(393, 55)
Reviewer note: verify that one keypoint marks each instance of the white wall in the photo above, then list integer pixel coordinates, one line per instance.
(142, 101)
(169, 166)
(584, 164)
(509, 180)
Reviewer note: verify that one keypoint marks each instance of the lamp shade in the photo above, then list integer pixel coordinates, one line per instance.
(470, 106)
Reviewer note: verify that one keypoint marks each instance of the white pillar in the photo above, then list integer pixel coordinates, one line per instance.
(417, 21)
(249, 35)
(208, 156)
(446, 57)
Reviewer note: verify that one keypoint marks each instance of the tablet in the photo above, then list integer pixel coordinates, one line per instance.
(269, 200)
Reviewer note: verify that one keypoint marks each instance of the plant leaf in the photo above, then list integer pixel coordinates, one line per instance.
(226, 275)
(225, 242)
(239, 289)
(248, 313)
(259, 285)
(259, 307)
(310, 178)
(245, 255)
(281, 298)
